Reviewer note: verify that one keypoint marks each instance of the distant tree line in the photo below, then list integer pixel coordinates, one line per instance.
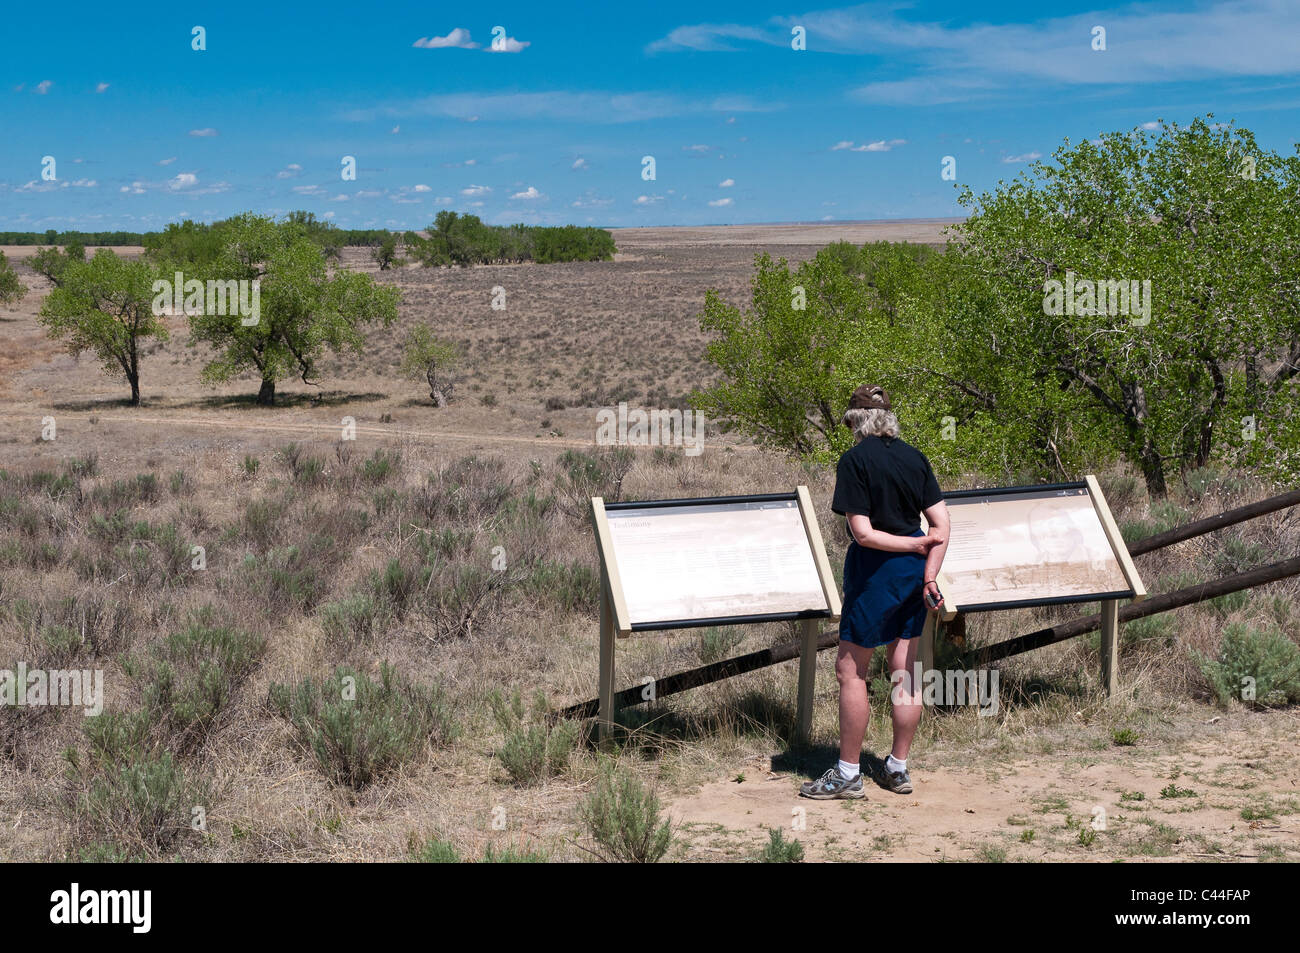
(453, 240)
(456, 239)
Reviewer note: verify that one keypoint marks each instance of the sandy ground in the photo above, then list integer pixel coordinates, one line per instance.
(981, 810)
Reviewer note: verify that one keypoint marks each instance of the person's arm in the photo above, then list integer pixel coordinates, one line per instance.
(865, 535)
(937, 516)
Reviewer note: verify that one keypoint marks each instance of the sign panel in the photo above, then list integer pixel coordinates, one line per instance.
(700, 561)
(1030, 545)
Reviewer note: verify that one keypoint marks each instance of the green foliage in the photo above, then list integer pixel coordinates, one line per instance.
(358, 730)
(105, 306)
(624, 819)
(985, 379)
(12, 289)
(456, 239)
(534, 748)
(304, 310)
(385, 253)
(778, 850)
(1259, 667)
(718, 642)
(434, 850)
(52, 263)
(433, 361)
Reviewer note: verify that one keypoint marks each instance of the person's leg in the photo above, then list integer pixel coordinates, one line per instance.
(905, 696)
(851, 667)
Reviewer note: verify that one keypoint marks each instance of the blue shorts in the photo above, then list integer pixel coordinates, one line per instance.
(883, 596)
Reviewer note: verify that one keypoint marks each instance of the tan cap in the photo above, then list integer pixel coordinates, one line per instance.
(869, 397)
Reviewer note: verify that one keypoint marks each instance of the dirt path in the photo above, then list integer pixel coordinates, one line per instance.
(1232, 795)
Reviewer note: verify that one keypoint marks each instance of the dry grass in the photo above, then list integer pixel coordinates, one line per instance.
(380, 551)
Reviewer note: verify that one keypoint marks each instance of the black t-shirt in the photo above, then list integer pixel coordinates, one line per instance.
(888, 481)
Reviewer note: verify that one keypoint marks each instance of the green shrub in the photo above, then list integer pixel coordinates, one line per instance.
(142, 802)
(434, 850)
(359, 730)
(570, 587)
(353, 619)
(778, 850)
(381, 465)
(1260, 667)
(717, 643)
(534, 748)
(623, 817)
(514, 855)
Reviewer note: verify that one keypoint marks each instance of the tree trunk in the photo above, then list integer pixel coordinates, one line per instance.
(266, 395)
(135, 390)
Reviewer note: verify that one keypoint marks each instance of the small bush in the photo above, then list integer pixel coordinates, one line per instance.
(359, 730)
(778, 850)
(624, 820)
(434, 850)
(1259, 667)
(717, 643)
(533, 749)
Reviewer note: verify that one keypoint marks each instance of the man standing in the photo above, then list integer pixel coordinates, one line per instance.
(882, 486)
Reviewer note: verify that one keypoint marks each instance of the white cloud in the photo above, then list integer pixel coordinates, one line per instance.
(167, 161)
(695, 148)
(563, 105)
(580, 163)
(880, 145)
(842, 144)
(421, 188)
(726, 183)
(184, 180)
(1027, 157)
(100, 87)
(648, 199)
(291, 171)
(316, 190)
(591, 200)
(205, 133)
(1151, 126)
(456, 39)
(529, 193)
(714, 37)
(476, 190)
(396, 130)
(507, 45)
(43, 87)
(720, 203)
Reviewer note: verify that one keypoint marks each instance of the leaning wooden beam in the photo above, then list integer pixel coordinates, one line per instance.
(706, 674)
(1211, 523)
(1154, 604)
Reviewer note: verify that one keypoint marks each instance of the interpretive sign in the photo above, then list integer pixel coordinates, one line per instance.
(675, 564)
(696, 563)
(1034, 546)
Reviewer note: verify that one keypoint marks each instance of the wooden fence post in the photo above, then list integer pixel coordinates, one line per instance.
(811, 630)
(1110, 646)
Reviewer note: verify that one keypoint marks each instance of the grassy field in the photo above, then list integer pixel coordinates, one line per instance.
(372, 560)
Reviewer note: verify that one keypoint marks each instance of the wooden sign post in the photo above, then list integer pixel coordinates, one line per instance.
(676, 564)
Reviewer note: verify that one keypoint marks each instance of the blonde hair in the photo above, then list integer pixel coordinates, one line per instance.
(871, 422)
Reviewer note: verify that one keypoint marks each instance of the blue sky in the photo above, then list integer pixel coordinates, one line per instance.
(145, 130)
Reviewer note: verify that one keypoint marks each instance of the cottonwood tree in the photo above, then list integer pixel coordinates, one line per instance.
(104, 305)
(432, 361)
(304, 310)
(1209, 219)
(11, 287)
(51, 262)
